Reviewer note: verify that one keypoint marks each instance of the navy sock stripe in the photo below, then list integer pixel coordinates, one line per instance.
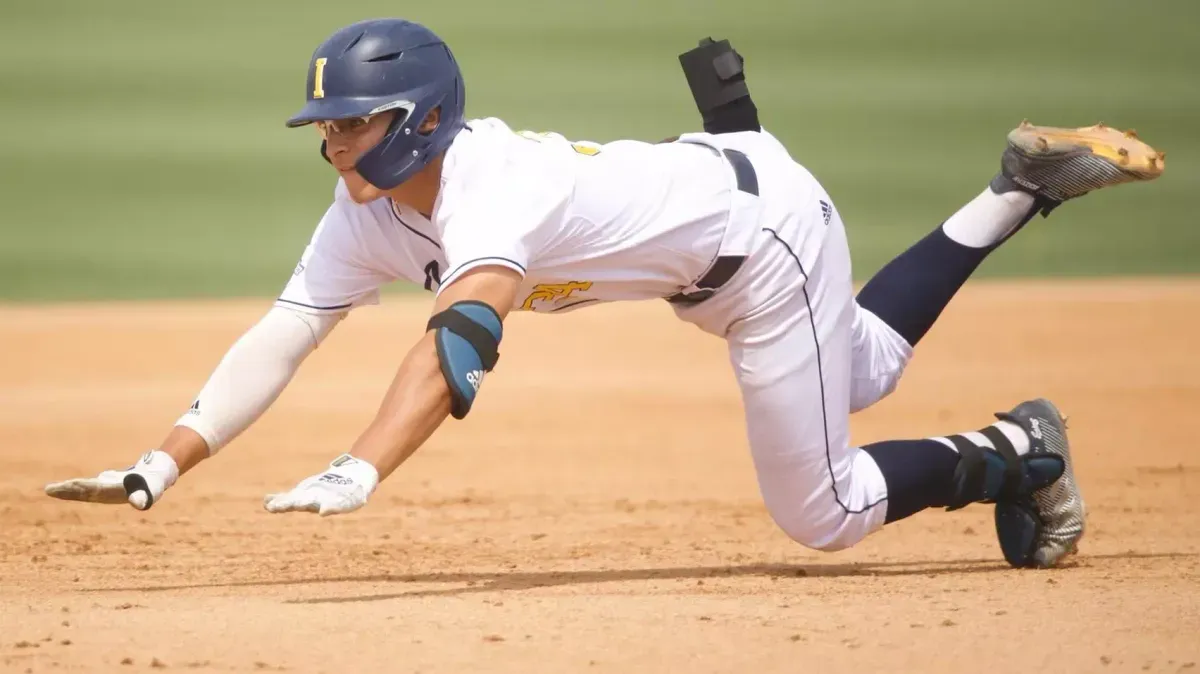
(960, 443)
(821, 379)
(998, 439)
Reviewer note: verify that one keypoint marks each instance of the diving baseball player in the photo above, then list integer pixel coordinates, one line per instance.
(741, 240)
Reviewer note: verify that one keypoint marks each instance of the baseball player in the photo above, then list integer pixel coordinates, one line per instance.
(741, 240)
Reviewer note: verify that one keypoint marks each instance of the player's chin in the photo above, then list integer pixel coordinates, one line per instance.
(358, 188)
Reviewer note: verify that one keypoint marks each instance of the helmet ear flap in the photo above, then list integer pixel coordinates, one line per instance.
(323, 155)
(404, 150)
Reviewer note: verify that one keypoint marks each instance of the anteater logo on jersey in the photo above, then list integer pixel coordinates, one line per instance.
(553, 292)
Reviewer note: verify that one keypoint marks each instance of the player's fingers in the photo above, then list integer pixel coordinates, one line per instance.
(139, 499)
(291, 502)
(339, 505)
(278, 503)
(93, 490)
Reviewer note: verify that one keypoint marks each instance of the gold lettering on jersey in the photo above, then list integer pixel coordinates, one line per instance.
(319, 78)
(582, 147)
(554, 292)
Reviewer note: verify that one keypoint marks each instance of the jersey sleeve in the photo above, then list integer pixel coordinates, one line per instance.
(505, 217)
(334, 273)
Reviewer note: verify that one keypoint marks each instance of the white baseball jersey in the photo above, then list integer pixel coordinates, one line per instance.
(628, 220)
(583, 222)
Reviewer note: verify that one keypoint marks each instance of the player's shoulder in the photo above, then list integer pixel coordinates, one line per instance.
(487, 128)
(491, 152)
(479, 140)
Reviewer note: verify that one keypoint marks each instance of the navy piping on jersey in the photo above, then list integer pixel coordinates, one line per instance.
(821, 378)
(310, 306)
(453, 273)
(410, 227)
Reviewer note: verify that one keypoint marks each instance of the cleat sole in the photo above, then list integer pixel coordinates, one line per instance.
(1122, 149)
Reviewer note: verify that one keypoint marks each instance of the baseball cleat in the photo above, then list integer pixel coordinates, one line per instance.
(1056, 164)
(1054, 514)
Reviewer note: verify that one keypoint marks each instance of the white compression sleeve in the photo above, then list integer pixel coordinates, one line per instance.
(254, 372)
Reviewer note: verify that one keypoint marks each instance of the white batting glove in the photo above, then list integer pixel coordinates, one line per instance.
(140, 485)
(344, 488)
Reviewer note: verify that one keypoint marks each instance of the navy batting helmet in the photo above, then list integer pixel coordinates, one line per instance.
(378, 65)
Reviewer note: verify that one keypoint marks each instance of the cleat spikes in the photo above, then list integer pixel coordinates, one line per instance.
(1057, 164)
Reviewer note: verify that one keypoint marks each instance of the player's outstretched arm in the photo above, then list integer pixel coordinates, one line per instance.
(439, 376)
(247, 381)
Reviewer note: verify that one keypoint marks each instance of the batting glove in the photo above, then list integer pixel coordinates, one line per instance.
(344, 487)
(140, 485)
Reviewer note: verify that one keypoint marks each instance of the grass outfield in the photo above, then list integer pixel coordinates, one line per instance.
(144, 153)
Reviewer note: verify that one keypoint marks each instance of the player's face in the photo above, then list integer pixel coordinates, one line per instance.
(348, 139)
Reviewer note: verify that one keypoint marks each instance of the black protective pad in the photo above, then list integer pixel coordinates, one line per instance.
(970, 476)
(1018, 528)
(1013, 470)
(714, 74)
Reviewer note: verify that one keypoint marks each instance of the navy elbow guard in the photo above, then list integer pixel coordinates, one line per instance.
(467, 338)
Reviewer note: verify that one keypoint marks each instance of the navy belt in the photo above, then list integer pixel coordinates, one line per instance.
(725, 266)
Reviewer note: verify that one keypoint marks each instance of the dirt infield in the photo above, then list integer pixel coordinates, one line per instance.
(569, 525)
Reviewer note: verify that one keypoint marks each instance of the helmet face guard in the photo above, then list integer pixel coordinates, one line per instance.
(376, 66)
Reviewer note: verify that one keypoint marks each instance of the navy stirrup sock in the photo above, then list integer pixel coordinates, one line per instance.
(911, 291)
(919, 474)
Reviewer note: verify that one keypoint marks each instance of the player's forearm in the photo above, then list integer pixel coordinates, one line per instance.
(250, 377)
(417, 402)
(186, 447)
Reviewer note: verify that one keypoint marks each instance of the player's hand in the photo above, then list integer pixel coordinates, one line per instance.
(343, 488)
(140, 485)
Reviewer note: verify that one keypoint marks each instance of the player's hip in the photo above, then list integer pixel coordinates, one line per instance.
(776, 231)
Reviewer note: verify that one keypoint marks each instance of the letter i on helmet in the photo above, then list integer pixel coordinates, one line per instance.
(379, 65)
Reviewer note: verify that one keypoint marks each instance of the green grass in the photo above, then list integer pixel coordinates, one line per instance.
(144, 153)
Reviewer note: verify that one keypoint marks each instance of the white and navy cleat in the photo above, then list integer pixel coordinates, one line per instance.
(1058, 507)
(1057, 164)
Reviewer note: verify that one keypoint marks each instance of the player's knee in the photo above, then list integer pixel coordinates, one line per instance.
(815, 525)
(867, 391)
(806, 507)
(879, 358)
